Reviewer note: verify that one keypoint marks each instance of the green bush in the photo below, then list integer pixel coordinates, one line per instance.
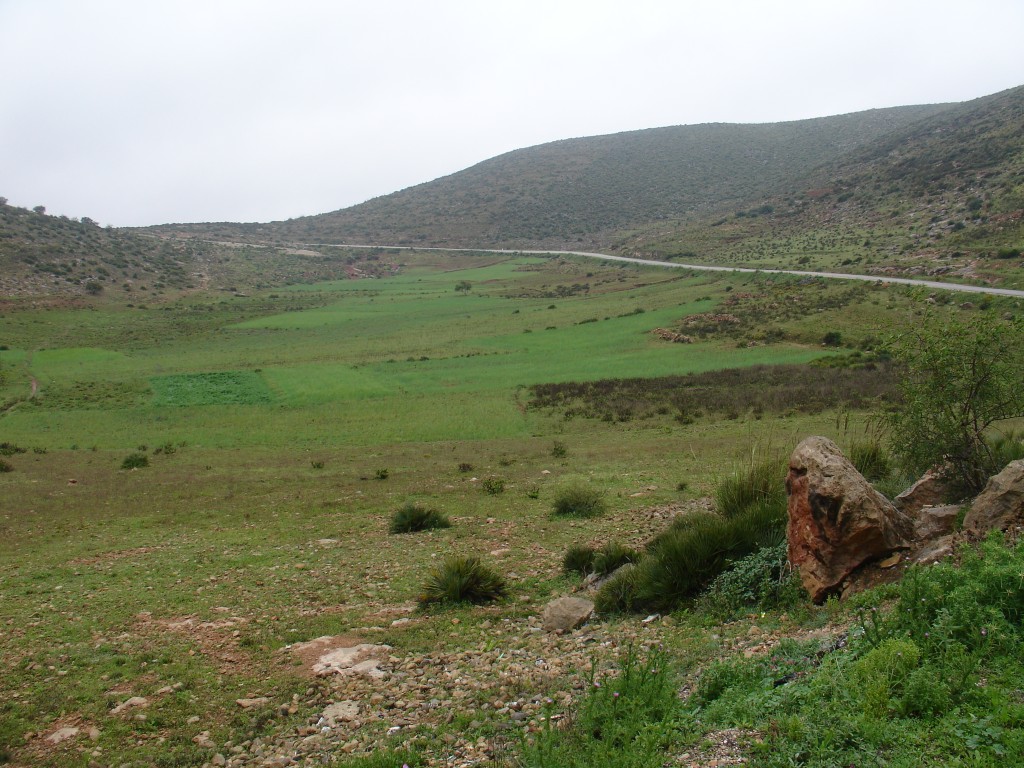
(462, 579)
(762, 580)
(494, 486)
(559, 450)
(879, 677)
(612, 556)
(135, 461)
(760, 483)
(412, 518)
(6, 466)
(382, 474)
(579, 558)
(578, 501)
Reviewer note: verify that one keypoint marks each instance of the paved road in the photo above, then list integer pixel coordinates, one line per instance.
(933, 284)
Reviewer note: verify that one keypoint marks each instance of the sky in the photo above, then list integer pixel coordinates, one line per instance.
(146, 112)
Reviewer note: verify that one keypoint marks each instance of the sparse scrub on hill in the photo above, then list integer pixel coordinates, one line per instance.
(412, 518)
(578, 500)
(462, 579)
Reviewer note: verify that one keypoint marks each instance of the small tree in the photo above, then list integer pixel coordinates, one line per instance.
(463, 286)
(959, 380)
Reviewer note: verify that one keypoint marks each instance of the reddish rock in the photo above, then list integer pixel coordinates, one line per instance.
(837, 521)
(1000, 503)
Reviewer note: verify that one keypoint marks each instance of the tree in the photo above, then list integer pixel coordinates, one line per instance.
(960, 380)
(463, 285)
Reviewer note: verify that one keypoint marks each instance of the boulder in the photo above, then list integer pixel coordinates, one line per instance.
(931, 490)
(931, 523)
(1000, 503)
(837, 521)
(566, 613)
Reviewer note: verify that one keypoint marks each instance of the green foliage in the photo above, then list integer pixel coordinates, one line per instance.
(578, 500)
(382, 758)
(382, 474)
(412, 518)
(578, 558)
(870, 459)
(559, 450)
(9, 449)
(493, 486)
(625, 720)
(763, 580)
(762, 482)
(962, 378)
(612, 556)
(462, 579)
(879, 677)
(135, 461)
(6, 466)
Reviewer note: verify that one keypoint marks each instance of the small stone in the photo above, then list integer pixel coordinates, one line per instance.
(258, 701)
(132, 703)
(62, 735)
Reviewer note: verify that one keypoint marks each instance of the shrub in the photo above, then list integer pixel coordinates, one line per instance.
(494, 486)
(619, 593)
(578, 558)
(382, 474)
(761, 580)
(135, 461)
(465, 466)
(462, 580)
(760, 483)
(6, 466)
(870, 459)
(315, 464)
(412, 518)
(559, 450)
(9, 449)
(880, 675)
(962, 379)
(613, 556)
(578, 501)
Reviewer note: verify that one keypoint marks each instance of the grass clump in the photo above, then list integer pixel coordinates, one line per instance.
(760, 483)
(579, 558)
(578, 500)
(412, 518)
(870, 459)
(135, 461)
(613, 556)
(463, 579)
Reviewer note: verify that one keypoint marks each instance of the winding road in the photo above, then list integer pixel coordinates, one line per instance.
(934, 284)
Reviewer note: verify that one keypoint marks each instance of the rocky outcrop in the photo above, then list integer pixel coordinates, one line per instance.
(933, 489)
(837, 521)
(1000, 503)
(566, 613)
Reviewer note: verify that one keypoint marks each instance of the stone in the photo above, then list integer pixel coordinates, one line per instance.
(929, 491)
(340, 712)
(257, 701)
(837, 521)
(566, 613)
(935, 551)
(62, 735)
(352, 660)
(135, 702)
(1000, 503)
(935, 522)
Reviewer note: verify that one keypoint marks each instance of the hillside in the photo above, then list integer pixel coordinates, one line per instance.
(581, 190)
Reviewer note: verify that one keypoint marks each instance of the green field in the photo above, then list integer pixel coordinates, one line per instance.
(282, 429)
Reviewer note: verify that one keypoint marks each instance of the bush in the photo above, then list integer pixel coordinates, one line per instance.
(6, 466)
(763, 482)
(961, 380)
(135, 461)
(579, 558)
(494, 486)
(762, 580)
(465, 466)
(412, 518)
(462, 580)
(613, 556)
(578, 501)
(382, 474)
(559, 450)
(9, 449)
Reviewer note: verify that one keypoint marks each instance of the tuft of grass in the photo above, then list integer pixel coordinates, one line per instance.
(463, 579)
(578, 500)
(871, 460)
(412, 518)
(762, 482)
(579, 558)
(613, 556)
(135, 461)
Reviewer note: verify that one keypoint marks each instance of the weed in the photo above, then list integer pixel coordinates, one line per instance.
(578, 501)
(411, 518)
(462, 579)
(465, 467)
(533, 491)
(761, 580)
(382, 474)
(135, 461)
(316, 464)
(559, 450)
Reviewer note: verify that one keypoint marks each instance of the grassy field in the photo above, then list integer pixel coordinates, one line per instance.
(282, 430)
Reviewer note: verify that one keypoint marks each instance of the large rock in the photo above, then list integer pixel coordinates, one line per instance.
(1000, 503)
(933, 489)
(932, 523)
(566, 613)
(837, 521)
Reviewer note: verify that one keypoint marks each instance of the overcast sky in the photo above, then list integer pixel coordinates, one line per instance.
(138, 112)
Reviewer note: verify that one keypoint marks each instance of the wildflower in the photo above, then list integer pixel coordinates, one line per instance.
(615, 695)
